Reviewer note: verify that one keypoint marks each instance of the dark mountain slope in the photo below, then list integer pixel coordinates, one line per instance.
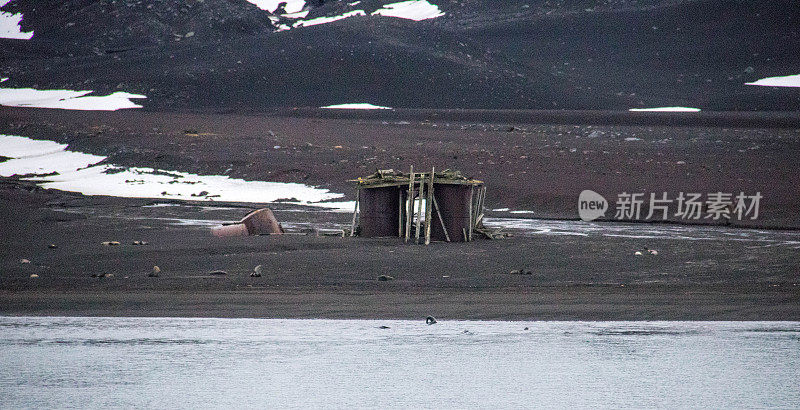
(481, 54)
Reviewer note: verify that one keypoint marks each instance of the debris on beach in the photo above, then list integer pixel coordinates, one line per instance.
(111, 243)
(154, 274)
(259, 222)
(34, 276)
(257, 271)
(139, 243)
(24, 261)
(520, 272)
(430, 320)
(102, 275)
(385, 278)
(52, 246)
(217, 273)
(384, 327)
(646, 251)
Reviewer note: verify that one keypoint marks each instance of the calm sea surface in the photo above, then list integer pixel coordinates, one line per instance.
(200, 363)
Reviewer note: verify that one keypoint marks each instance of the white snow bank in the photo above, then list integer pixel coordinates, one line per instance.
(356, 106)
(9, 25)
(331, 19)
(666, 109)
(78, 172)
(412, 10)
(785, 81)
(67, 99)
(292, 6)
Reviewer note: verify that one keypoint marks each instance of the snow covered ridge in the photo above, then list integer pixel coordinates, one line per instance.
(67, 99)
(9, 25)
(416, 10)
(356, 106)
(666, 109)
(412, 10)
(52, 166)
(784, 81)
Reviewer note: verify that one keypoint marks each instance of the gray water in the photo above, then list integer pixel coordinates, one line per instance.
(200, 363)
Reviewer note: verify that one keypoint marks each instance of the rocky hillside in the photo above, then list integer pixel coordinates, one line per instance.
(237, 55)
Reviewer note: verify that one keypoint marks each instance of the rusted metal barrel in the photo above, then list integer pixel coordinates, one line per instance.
(379, 210)
(454, 205)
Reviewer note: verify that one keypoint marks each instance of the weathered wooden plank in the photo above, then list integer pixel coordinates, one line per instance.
(441, 221)
(429, 209)
(410, 203)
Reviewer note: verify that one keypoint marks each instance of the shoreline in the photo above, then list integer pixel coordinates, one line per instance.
(576, 303)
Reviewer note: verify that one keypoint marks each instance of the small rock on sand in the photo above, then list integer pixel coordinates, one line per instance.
(156, 271)
(34, 276)
(384, 278)
(257, 271)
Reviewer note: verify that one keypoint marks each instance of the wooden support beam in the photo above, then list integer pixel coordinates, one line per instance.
(400, 207)
(441, 221)
(429, 209)
(419, 206)
(355, 212)
(410, 203)
(471, 215)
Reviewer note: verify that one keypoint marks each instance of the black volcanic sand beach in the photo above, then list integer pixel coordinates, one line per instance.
(713, 273)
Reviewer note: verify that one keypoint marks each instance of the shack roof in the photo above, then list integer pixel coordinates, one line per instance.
(390, 177)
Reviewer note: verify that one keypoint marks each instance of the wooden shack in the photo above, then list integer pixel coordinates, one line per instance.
(439, 206)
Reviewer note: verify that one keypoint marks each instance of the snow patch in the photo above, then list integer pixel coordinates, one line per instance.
(80, 172)
(292, 6)
(9, 25)
(784, 81)
(412, 10)
(356, 106)
(666, 109)
(331, 19)
(67, 99)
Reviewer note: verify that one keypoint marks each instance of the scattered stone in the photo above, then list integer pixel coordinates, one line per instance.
(111, 243)
(24, 261)
(384, 278)
(139, 243)
(154, 274)
(383, 327)
(638, 253)
(34, 276)
(526, 328)
(257, 271)
(52, 246)
(218, 272)
(430, 320)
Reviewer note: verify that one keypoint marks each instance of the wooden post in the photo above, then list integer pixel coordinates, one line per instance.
(429, 209)
(355, 212)
(441, 221)
(410, 204)
(419, 206)
(471, 209)
(400, 207)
